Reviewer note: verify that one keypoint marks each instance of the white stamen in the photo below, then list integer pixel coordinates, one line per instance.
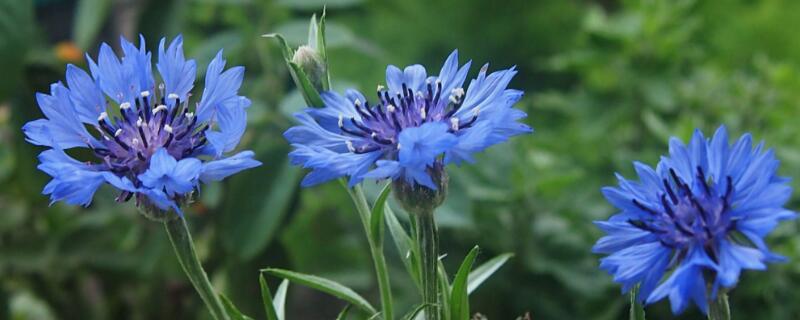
(458, 92)
(173, 96)
(158, 108)
(189, 115)
(341, 120)
(398, 146)
(476, 111)
(390, 108)
(125, 105)
(357, 103)
(438, 81)
(453, 99)
(380, 88)
(135, 141)
(161, 86)
(454, 123)
(350, 146)
(373, 135)
(118, 133)
(167, 128)
(103, 116)
(422, 113)
(139, 122)
(145, 94)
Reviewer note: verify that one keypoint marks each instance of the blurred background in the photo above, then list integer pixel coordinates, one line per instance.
(606, 82)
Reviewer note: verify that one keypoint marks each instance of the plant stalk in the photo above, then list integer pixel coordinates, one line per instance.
(181, 240)
(428, 242)
(719, 309)
(376, 250)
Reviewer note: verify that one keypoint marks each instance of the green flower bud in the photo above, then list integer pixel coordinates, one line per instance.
(311, 63)
(419, 199)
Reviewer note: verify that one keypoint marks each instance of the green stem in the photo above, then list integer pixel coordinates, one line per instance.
(181, 240)
(376, 249)
(719, 309)
(428, 242)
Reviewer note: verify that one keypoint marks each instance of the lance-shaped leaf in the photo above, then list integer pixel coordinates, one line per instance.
(325, 285)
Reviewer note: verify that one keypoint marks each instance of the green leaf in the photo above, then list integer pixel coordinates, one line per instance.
(323, 51)
(444, 289)
(484, 271)
(409, 253)
(343, 315)
(459, 299)
(328, 286)
(231, 309)
(89, 18)
(411, 315)
(287, 51)
(376, 217)
(266, 297)
(280, 299)
(310, 94)
(637, 310)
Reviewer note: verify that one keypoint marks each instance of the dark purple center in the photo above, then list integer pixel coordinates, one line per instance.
(130, 139)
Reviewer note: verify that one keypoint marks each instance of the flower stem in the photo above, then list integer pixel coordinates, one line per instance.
(376, 249)
(428, 242)
(181, 240)
(719, 309)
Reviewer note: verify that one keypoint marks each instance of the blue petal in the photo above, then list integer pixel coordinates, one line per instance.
(137, 63)
(419, 146)
(167, 173)
(220, 169)
(62, 128)
(232, 121)
(86, 96)
(221, 88)
(177, 72)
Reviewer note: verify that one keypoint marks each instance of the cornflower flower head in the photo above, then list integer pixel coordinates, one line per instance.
(416, 125)
(688, 228)
(144, 137)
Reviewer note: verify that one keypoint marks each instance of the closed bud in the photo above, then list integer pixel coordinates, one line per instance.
(419, 199)
(309, 60)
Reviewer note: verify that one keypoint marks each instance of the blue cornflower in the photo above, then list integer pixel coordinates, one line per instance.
(146, 141)
(418, 125)
(701, 216)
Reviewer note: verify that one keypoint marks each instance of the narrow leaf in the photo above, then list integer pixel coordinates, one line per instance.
(409, 253)
(328, 286)
(287, 51)
(484, 271)
(266, 297)
(411, 315)
(313, 32)
(459, 300)
(231, 309)
(376, 217)
(343, 315)
(323, 51)
(310, 94)
(280, 299)
(444, 290)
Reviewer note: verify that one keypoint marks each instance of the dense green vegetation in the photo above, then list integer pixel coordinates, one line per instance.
(606, 82)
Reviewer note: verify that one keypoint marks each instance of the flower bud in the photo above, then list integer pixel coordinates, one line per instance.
(419, 199)
(310, 62)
